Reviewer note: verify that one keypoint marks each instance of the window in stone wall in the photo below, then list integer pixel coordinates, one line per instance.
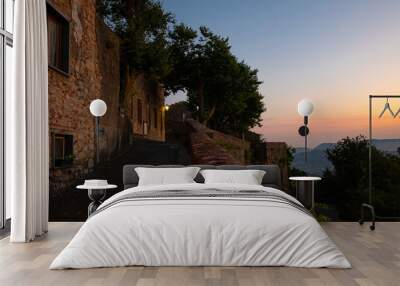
(148, 114)
(155, 118)
(57, 40)
(63, 155)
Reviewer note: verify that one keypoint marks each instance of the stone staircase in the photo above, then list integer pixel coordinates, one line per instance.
(71, 204)
(142, 151)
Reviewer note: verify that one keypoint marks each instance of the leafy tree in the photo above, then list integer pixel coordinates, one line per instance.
(292, 171)
(142, 26)
(346, 186)
(222, 91)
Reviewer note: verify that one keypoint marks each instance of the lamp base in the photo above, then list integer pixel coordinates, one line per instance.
(372, 209)
(97, 196)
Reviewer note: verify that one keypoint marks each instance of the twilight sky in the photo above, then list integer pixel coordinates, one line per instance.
(334, 53)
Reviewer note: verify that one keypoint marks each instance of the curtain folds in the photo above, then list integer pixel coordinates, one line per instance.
(27, 148)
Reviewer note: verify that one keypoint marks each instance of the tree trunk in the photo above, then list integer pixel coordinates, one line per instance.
(210, 115)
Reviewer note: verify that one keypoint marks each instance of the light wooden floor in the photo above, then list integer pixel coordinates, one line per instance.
(375, 257)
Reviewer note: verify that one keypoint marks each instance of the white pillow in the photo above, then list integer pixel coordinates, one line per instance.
(247, 177)
(166, 176)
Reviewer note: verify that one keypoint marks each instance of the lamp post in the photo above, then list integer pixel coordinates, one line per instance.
(305, 108)
(98, 108)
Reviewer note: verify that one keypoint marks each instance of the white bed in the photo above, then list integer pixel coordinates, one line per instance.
(202, 231)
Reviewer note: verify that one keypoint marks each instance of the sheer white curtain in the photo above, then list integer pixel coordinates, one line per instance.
(27, 145)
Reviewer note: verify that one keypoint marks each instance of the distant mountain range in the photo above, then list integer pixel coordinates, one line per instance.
(318, 161)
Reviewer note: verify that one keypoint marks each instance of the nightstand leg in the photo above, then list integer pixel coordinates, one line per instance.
(93, 207)
(97, 197)
(305, 194)
(312, 196)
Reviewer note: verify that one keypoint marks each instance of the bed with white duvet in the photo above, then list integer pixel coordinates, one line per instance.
(196, 224)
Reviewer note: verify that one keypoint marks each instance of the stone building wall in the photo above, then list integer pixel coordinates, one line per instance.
(147, 96)
(212, 147)
(116, 126)
(94, 72)
(70, 94)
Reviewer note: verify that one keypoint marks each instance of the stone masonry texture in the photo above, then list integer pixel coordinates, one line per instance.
(94, 72)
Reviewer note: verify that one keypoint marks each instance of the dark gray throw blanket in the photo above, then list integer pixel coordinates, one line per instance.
(206, 194)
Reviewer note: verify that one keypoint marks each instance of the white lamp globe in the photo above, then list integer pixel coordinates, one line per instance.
(305, 107)
(98, 107)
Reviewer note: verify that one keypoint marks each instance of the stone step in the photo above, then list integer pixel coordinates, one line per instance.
(145, 152)
(141, 151)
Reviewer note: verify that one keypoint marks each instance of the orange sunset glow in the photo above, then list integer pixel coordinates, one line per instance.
(334, 53)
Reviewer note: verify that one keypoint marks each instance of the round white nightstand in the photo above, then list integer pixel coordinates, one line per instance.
(96, 195)
(305, 190)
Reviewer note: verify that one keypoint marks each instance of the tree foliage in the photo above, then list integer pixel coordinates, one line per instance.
(142, 26)
(292, 171)
(346, 186)
(222, 91)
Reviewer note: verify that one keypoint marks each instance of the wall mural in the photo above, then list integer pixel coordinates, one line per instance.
(135, 56)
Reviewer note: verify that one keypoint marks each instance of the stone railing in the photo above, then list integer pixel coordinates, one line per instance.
(212, 147)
